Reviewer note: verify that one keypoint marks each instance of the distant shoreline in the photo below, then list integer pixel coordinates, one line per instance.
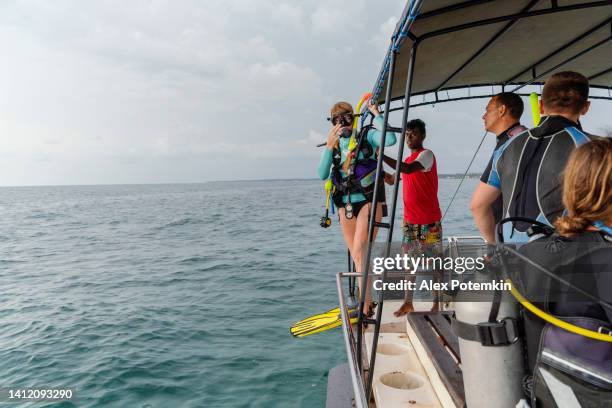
(442, 176)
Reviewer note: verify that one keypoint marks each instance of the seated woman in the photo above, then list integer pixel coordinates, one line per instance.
(580, 252)
(353, 194)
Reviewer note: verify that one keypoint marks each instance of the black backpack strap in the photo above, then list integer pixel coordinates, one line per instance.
(490, 334)
(362, 137)
(495, 305)
(537, 227)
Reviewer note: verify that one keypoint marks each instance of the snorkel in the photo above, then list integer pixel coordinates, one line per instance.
(348, 207)
(353, 142)
(535, 108)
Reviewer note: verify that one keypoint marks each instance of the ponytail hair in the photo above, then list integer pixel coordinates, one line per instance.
(587, 187)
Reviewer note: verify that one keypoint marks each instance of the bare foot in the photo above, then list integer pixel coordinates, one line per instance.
(435, 307)
(368, 310)
(404, 309)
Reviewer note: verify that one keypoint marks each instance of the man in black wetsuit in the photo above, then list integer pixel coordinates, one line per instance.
(502, 118)
(527, 169)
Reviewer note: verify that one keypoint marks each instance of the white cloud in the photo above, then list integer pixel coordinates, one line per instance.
(382, 39)
(314, 138)
(156, 90)
(281, 80)
(290, 15)
(339, 17)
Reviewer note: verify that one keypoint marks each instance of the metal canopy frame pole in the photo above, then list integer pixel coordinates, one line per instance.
(562, 63)
(400, 155)
(466, 98)
(373, 208)
(488, 95)
(454, 7)
(597, 75)
(500, 19)
(486, 46)
(560, 49)
(535, 78)
(516, 16)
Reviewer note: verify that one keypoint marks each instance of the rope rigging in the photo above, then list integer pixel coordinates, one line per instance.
(464, 175)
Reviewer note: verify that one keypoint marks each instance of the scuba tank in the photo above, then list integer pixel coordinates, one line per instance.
(492, 358)
(491, 361)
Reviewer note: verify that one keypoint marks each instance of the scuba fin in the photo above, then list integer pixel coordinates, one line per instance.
(321, 322)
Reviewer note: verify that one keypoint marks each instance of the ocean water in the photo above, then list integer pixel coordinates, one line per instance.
(173, 295)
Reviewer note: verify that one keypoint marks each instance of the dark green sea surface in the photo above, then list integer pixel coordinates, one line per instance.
(173, 295)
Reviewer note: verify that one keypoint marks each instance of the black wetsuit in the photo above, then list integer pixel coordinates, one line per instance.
(498, 205)
(527, 170)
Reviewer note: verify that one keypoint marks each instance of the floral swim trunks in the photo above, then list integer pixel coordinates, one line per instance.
(422, 236)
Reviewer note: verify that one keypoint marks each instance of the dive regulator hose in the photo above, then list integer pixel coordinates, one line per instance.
(555, 321)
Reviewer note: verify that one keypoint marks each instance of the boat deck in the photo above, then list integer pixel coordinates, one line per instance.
(417, 362)
(433, 332)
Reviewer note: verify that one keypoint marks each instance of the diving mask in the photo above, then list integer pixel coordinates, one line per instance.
(345, 119)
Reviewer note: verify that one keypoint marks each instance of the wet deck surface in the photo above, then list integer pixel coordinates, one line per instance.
(442, 347)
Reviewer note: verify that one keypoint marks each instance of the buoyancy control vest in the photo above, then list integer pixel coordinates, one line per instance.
(527, 168)
(361, 175)
(561, 362)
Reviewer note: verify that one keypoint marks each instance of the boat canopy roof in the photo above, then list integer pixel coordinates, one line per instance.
(500, 44)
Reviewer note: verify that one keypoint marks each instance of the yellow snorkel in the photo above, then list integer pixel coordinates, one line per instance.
(353, 142)
(535, 108)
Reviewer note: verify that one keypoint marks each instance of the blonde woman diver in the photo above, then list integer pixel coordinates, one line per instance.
(353, 195)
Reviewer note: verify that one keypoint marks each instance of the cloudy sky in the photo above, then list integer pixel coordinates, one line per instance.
(107, 92)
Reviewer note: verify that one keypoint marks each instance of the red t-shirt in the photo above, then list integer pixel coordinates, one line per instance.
(421, 192)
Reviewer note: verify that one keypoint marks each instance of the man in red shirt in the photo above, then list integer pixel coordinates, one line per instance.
(422, 228)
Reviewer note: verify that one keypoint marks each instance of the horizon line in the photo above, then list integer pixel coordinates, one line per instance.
(199, 182)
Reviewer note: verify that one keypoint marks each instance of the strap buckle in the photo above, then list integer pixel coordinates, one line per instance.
(539, 230)
(500, 333)
(490, 334)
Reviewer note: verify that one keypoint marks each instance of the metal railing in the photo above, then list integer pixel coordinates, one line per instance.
(361, 401)
(456, 247)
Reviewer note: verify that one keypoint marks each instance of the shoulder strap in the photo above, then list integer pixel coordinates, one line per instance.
(363, 145)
